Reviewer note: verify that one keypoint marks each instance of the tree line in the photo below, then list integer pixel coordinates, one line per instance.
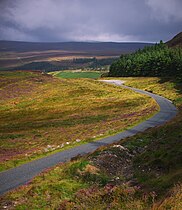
(157, 60)
(77, 63)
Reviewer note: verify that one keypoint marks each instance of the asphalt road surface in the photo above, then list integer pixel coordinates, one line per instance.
(20, 175)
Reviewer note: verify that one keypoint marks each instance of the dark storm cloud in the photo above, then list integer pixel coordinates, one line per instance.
(86, 20)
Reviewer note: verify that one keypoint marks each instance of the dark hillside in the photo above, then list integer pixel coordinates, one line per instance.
(175, 41)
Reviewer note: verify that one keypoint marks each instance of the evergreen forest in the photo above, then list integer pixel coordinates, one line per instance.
(157, 60)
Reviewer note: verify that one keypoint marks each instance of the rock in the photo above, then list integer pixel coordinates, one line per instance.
(120, 147)
(78, 140)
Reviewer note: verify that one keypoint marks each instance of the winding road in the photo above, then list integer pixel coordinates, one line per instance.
(20, 175)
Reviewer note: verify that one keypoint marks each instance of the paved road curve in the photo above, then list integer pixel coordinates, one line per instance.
(20, 175)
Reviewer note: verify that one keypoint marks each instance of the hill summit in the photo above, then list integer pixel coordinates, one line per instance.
(176, 41)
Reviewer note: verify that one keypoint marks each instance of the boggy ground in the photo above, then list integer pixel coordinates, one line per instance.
(140, 172)
(40, 114)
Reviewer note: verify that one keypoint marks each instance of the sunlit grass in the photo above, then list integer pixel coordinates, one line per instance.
(40, 114)
(81, 184)
(166, 87)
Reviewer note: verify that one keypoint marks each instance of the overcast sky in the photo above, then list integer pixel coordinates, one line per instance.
(90, 20)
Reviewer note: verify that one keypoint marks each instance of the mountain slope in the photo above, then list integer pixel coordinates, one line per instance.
(176, 41)
(61, 55)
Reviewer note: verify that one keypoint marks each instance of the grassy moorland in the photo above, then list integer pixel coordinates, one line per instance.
(140, 172)
(40, 114)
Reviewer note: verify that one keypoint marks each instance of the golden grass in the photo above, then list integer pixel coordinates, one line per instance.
(162, 86)
(172, 202)
(40, 114)
(78, 184)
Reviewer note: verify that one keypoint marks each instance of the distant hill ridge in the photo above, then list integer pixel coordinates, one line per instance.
(176, 41)
(17, 46)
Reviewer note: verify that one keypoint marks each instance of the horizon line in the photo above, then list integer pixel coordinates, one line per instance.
(89, 41)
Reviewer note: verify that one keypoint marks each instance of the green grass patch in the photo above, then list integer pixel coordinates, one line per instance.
(76, 75)
(52, 187)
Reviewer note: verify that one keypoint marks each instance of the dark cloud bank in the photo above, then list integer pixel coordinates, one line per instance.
(90, 20)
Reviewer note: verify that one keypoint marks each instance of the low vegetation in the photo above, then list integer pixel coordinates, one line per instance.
(158, 60)
(140, 172)
(40, 114)
(75, 185)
